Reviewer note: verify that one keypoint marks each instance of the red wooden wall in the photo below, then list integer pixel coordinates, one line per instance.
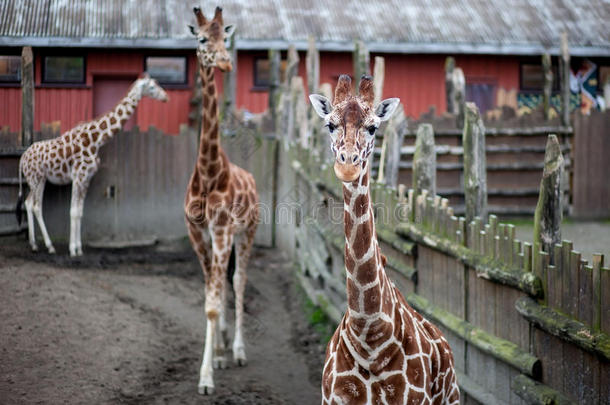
(418, 80)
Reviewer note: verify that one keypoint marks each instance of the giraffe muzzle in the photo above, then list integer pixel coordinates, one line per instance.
(224, 65)
(347, 172)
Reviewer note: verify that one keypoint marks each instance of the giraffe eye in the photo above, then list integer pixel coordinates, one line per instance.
(331, 127)
(203, 40)
(372, 129)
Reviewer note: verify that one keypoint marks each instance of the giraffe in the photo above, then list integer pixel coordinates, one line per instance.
(73, 158)
(221, 207)
(382, 352)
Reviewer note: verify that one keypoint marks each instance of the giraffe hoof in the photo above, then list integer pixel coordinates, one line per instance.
(52, 250)
(205, 390)
(239, 356)
(219, 363)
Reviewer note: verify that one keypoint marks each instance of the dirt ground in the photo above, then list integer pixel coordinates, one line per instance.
(127, 326)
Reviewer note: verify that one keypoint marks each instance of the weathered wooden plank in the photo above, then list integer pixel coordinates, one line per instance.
(312, 65)
(393, 138)
(548, 85)
(565, 79)
(605, 300)
(475, 177)
(27, 96)
(502, 349)
(361, 59)
(548, 215)
(424, 160)
(565, 328)
(566, 298)
(537, 394)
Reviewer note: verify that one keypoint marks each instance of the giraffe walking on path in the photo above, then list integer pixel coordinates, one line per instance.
(383, 352)
(73, 158)
(221, 208)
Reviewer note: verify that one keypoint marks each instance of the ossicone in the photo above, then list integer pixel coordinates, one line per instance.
(343, 90)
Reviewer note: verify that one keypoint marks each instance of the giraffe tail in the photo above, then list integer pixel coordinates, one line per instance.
(19, 207)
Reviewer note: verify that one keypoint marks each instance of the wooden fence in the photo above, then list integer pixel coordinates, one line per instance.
(137, 195)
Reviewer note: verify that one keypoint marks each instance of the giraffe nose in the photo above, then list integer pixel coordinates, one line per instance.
(342, 157)
(355, 157)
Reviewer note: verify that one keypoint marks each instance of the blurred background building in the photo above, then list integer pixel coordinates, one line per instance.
(88, 52)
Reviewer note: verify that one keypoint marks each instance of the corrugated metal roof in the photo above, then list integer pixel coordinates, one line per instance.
(428, 26)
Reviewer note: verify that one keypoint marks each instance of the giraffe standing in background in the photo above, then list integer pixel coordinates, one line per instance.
(73, 157)
(383, 352)
(221, 204)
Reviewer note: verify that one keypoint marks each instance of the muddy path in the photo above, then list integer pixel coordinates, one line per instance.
(128, 327)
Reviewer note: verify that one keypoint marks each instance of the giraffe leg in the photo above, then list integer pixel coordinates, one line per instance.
(76, 214)
(243, 246)
(221, 245)
(37, 208)
(30, 215)
(220, 344)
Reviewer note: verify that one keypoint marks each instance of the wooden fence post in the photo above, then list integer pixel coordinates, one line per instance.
(424, 160)
(565, 80)
(607, 93)
(230, 83)
(292, 65)
(322, 144)
(393, 137)
(548, 85)
(378, 79)
(27, 96)
(449, 67)
(312, 64)
(274, 83)
(297, 95)
(455, 90)
(547, 218)
(361, 59)
(475, 175)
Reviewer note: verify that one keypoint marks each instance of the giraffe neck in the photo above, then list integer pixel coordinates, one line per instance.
(366, 279)
(209, 144)
(112, 122)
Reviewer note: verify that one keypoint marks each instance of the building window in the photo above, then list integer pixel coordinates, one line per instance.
(167, 69)
(10, 68)
(64, 69)
(532, 77)
(262, 73)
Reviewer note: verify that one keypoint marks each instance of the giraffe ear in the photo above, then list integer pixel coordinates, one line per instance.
(320, 104)
(229, 30)
(386, 108)
(193, 31)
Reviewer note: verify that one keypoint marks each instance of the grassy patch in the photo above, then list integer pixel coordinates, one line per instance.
(317, 318)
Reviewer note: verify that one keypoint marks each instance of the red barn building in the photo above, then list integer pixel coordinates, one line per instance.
(87, 53)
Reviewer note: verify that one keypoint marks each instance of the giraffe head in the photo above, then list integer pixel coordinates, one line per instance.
(352, 122)
(149, 87)
(213, 39)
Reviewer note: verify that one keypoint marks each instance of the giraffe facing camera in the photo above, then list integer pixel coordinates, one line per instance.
(382, 351)
(221, 207)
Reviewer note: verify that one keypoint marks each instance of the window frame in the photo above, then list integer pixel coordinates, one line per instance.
(256, 86)
(59, 83)
(170, 85)
(555, 86)
(10, 83)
